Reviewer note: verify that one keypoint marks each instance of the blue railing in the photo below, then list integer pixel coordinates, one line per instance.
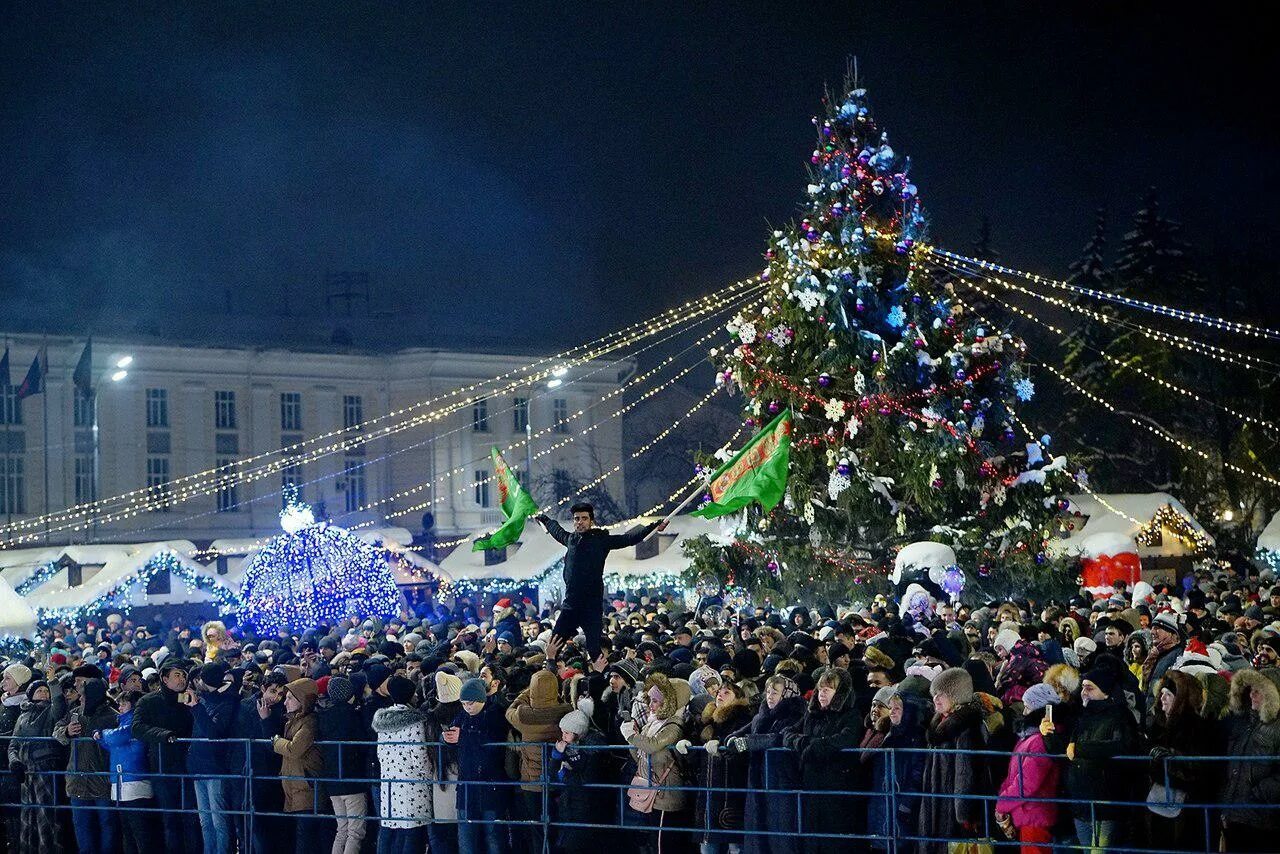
(1199, 830)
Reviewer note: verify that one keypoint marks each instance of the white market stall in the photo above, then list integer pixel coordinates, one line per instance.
(1268, 549)
(1154, 526)
(17, 620)
(149, 574)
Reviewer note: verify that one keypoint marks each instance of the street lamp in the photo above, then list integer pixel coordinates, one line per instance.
(116, 374)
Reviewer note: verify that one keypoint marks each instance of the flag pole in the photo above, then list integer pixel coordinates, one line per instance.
(44, 370)
(683, 504)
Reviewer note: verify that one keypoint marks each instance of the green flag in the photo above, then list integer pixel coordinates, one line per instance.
(516, 505)
(756, 473)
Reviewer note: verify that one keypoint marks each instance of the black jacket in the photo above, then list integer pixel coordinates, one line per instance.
(584, 559)
(1106, 729)
(158, 720)
(345, 766)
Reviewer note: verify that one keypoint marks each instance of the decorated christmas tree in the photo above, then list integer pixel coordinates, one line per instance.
(904, 404)
(315, 573)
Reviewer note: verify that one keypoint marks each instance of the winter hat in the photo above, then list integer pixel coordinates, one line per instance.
(472, 691)
(1168, 622)
(575, 722)
(626, 669)
(1039, 696)
(468, 659)
(322, 685)
(19, 673)
(213, 673)
(340, 690)
(884, 695)
(1104, 677)
(1006, 639)
(1085, 646)
(87, 671)
(33, 685)
(876, 659)
(698, 679)
(448, 687)
(400, 690)
(954, 682)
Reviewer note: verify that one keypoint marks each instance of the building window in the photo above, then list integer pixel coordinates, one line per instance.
(352, 411)
(482, 488)
(357, 493)
(10, 405)
(224, 410)
(84, 479)
(560, 414)
(228, 499)
(520, 415)
(82, 408)
(157, 407)
(290, 410)
(480, 416)
(159, 583)
(13, 498)
(290, 483)
(158, 483)
(75, 575)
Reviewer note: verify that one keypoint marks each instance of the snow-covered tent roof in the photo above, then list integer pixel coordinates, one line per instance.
(1269, 539)
(527, 560)
(121, 581)
(20, 567)
(17, 620)
(1106, 531)
(537, 553)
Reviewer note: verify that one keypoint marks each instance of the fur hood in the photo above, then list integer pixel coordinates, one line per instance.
(676, 694)
(1064, 679)
(844, 689)
(1245, 681)
(396, 718)
(712, 713)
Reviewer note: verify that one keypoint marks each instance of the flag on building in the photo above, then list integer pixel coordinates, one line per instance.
(517, 506)
(83, 376)
(33, 384)
(756, 473)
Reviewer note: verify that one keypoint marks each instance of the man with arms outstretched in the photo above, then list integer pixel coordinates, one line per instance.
(586, 548)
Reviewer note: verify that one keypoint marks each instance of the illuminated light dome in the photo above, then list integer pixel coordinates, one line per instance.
(316, 573)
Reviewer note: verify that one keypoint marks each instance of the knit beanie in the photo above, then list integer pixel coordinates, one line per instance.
(400, 690)
(1039, 696)
(473, 691)
(19, 673)
(884, 695)
(340, 689)
(448, 687)
(1006, 639)
(954, 682)
(575, 722)
(1105, 678)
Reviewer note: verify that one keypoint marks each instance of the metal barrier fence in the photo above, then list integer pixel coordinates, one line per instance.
(793, 813)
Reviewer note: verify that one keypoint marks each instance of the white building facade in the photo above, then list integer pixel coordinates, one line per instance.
(186, 410)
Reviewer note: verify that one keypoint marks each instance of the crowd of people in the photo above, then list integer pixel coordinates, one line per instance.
(471, 729)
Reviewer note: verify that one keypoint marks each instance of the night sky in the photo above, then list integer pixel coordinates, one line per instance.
(499, 169)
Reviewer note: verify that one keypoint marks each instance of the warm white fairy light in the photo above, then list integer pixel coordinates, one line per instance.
(1156, 308)
(1119, 363)
(1182, 342)
(208, 481)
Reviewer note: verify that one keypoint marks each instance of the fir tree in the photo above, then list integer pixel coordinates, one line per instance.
(902, 429)
(982, 248)
(1152, 255)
